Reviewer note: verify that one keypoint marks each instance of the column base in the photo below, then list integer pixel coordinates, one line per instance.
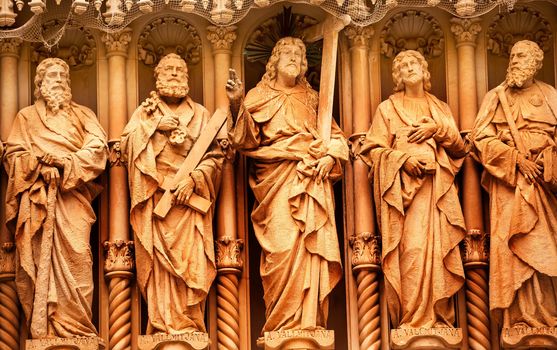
(184, 341)
(298, 339)
(529, 338)
(426, 338)
(77, 343)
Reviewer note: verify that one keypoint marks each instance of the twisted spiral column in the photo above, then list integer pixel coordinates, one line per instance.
(119, 265)
(229, 266)
(366, 253)
(9, 302)
(475, 257)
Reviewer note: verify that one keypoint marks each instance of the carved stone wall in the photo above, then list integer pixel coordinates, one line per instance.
(430, 30)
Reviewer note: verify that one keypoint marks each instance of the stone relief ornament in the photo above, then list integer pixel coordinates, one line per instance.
(513, 138)
(521, 23)
(229, 253)
(76, 47)
(51, 164)
(366, 250)
(412, 30)
(7, 261)
(169, 35)
(119, 257)
(115, 154)
(475, 248)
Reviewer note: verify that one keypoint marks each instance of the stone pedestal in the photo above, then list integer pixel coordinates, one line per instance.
(529, 338)
(321, 339)
(426, 338)
(185, 341)
(78, 343)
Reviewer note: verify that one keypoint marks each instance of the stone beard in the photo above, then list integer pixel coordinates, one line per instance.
(57, 96)
(519, 73)
(173, 88)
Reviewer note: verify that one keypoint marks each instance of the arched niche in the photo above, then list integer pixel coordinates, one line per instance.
(413, 30)
(531, 22)
(169, 34)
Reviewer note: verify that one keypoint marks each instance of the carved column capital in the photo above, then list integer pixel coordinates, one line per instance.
(466, 30)
(117, 43)
(359, 36)
(10, 47)
(119, 258)
(229, 258)
(7, 261)
(221, 38)
(115, 154)
(366, 251)
(475, 249)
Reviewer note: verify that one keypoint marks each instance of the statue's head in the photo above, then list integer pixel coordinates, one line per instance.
(172, 76)
(288, 57)
(52, 83)
(525, 61)
(410, 67)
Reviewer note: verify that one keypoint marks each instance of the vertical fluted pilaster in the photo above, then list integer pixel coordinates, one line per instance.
(229, 264)
(9, 309)
(366, 269)
(119, 250)
(477, 302)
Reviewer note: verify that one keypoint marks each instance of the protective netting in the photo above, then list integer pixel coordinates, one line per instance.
(114, 15)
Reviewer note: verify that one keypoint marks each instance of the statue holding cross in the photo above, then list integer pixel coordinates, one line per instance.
(174, 171)
(292, 173)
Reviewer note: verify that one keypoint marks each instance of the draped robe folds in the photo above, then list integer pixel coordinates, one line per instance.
(420, 219)
(174, 256)
(80, 140)
(293, 215)
(523, 259)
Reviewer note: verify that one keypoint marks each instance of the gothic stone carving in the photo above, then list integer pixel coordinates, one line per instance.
(412, 30)
(169, 35)
(519, 24)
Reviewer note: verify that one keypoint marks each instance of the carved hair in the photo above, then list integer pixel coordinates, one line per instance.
(535, 52)
(163, 60)
(271, 68)
(399, 84)
(41, 71)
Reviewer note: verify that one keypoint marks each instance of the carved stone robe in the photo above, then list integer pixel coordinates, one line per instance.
(55, 286)
(175, 255)
(523, 259)
(420, 219)
(293, 215)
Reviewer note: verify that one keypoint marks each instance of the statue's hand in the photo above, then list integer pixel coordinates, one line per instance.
(50, 173)
(234, 92)
(323, 167)
(52, 160)
(531, 170)
(414, 167)
(167, 123)
(184, 190)
(421, 132)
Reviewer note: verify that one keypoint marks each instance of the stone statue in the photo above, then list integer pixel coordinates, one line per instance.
(291, 177)
(55, 150)
(174, 255)
(514, 139)
(415, 150)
